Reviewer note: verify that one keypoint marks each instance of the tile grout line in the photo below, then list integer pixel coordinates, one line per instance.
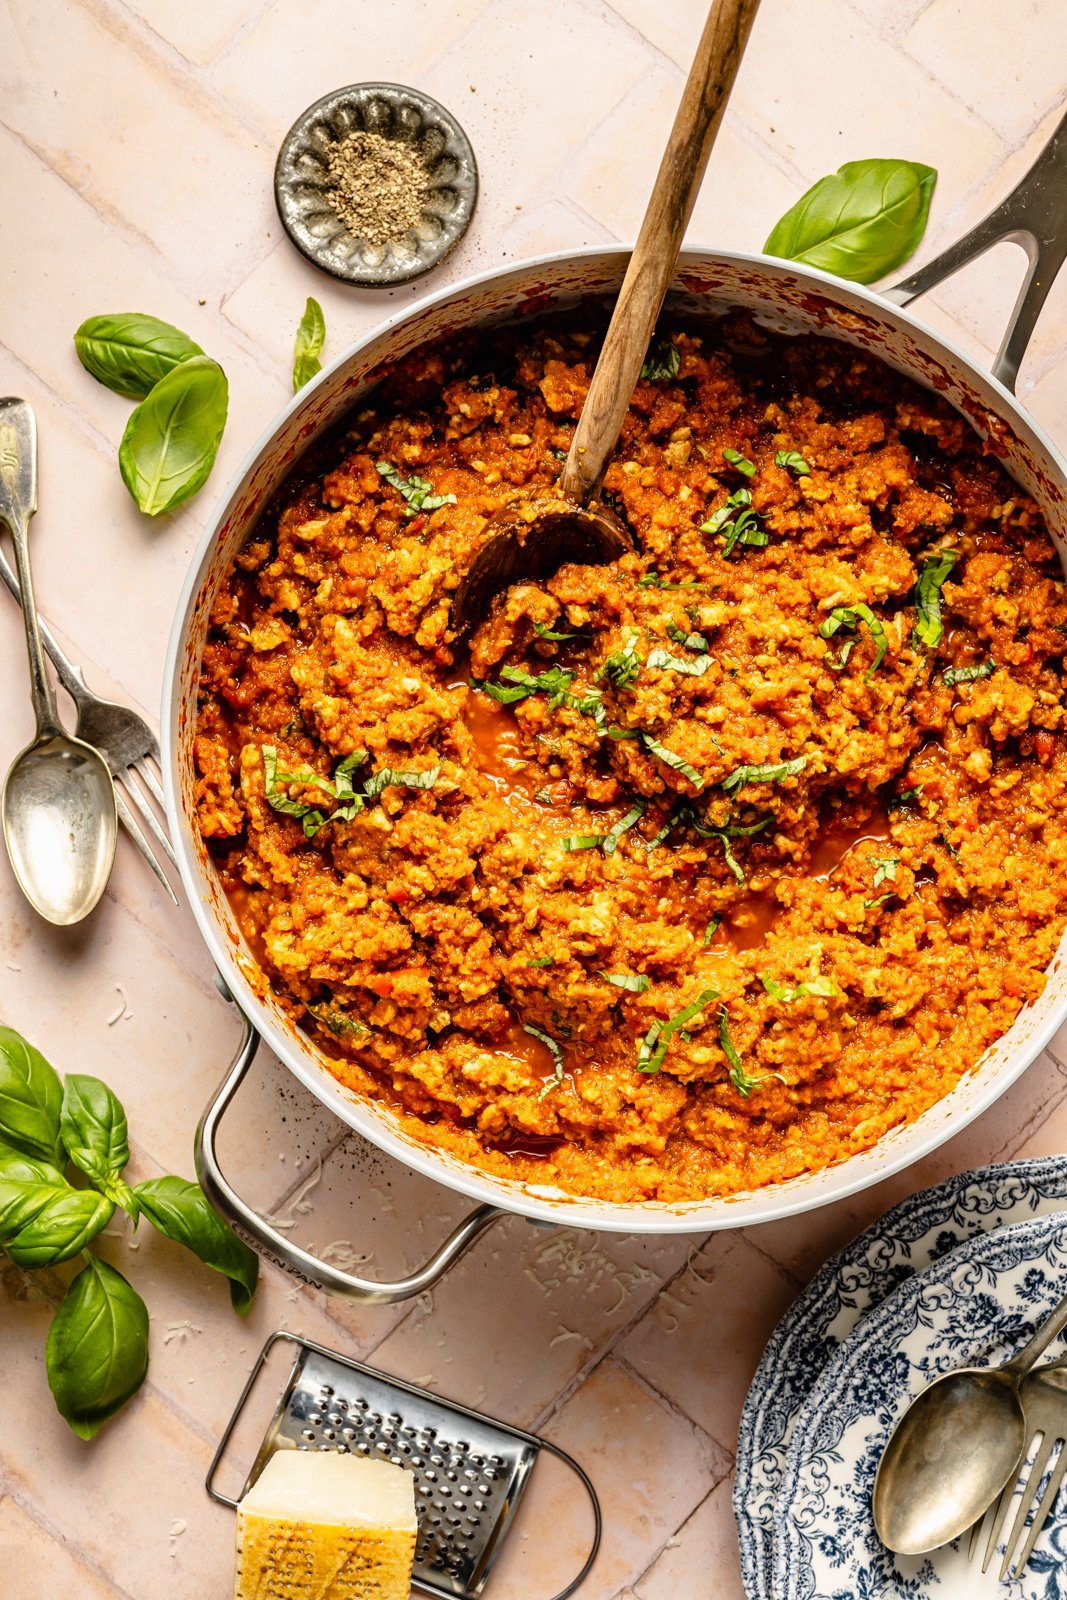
(635, 1582)
(36, 1515)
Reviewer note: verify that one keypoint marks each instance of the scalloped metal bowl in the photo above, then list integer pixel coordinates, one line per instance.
(301, 183)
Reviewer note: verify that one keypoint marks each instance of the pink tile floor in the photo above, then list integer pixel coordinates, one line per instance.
(136, 149)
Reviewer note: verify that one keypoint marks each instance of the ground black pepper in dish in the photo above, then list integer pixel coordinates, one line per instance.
(378, 186)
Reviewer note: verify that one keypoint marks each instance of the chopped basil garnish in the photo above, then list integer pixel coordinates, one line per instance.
(662, 362)
(416, 491)
(850, 617)
(928, 629)
(739, 462)
(885, 869)
(670, 759)
(339, 786)
(712, 928)
(620, 734)
(583, 841)
(737, 521)
(689, 641)
(880, 901)
(540, 961)
(653, 1047)
(652, 580)
(557, 1057)
(906, 797)
(542, 797)
(621, 666)
(391, 778)
(632, 983)
(735, 502)
(954, 675)
(614, 834)
(337, 1022)
(544, 632)
(769, 773)
(665, 662)
(794, 461)
(519, 685)
(823, 987)
(742, 1081)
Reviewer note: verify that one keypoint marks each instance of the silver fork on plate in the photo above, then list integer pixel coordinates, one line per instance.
(125, 741)
(1044, 1399)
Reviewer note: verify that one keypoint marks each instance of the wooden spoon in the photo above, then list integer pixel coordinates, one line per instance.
(531, 538)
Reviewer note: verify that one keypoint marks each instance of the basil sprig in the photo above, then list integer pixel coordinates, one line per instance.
(310, 338)
(860, 222)
(129, 352)
(97, 1351)
(929, 629)
(172, 438)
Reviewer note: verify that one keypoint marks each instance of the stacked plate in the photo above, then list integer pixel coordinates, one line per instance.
(958, 1275)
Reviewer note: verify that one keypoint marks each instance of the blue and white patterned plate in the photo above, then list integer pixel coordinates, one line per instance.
(976, 1307)
(920, 1230)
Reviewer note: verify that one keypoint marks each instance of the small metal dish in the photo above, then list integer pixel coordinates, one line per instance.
(301, 182)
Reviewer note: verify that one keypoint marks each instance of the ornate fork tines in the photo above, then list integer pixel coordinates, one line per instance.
(1044, 1398)
(126, 742)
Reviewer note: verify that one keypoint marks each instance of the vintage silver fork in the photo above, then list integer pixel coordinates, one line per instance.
(123, 738)
(1044, 1398)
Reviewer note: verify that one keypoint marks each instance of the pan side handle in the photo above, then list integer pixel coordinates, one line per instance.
(1033, 215)
(272, 1244)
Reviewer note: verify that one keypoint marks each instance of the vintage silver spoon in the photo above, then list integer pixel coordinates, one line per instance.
(954, 1449)
(59, 817)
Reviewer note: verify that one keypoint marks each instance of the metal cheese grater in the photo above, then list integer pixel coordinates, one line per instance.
(470, 1470)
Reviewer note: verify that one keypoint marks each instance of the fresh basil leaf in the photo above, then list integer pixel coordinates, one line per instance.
(95, 1133)
(624, 824)
(670, 759)
(310, 338)
(129, 351)
(27, 1186)
(881, 900)
(621, 667)
(393, 778)
(712, 929)
(633, 983)
(794, 461)
(31, 1097)
(653, 1048)
(58, 1228)
(739, 462)
(652, 580)
(823, 987)
(928, 629)
(418, 492)
(735, 502)
(172, 438)
(769, 773)
(665, 662)
(541, 961)
(583, 841)
(690, 641)
(861, 222)
(181, 1210)
(906, 797)
(953, 675)
(553, 635)
(885, 869)
(97, 1350)
(662, 362)
(849, 617)
(741, 1079)
(557, 1057)
(746, 530)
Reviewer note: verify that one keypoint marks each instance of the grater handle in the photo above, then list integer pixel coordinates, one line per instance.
(269, 1242)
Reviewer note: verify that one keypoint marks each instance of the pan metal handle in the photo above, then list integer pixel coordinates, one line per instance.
(258, 1233)
(1033, 215)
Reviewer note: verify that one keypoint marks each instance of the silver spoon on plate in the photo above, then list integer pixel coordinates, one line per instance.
(60, 821)
(954, 1449)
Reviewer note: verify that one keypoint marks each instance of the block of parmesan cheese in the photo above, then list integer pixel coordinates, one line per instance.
(320, 1525)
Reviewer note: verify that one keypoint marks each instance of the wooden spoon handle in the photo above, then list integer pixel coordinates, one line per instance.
(652, 264)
